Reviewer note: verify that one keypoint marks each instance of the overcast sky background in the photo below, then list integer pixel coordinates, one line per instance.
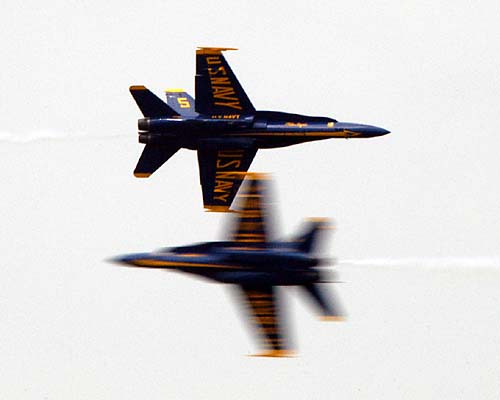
(77, 327)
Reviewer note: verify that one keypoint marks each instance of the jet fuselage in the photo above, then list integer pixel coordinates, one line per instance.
(279, 265)
(224, 127)
(254, 265)
(264, 129)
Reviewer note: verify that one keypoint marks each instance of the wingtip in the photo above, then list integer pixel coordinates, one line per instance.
(333, 318)
(142, 174)
(213, 50)
(257, 176)
(275, 353)
(137, 87)
(325, 223)
(209, 208)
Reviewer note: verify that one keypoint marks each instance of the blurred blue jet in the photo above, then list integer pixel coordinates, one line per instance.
(255, 264)
(224, 127)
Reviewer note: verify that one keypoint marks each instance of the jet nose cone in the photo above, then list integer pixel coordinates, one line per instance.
(379, 131)
(370, 130)
(123, 259)
(360, 130)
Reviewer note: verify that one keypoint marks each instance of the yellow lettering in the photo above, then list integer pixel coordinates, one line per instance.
(297, 124)
(222, 186)
(223, 93)
(220, 80)
(219, 71)
(236, 105)
(236, 163)
(222, 197)
(228, 175)
(213, 60)
(183, 102)
(230, 153)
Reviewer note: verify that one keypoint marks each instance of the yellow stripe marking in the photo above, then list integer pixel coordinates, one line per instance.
(258, 176)
(300, 134)
(275, 353)
(217, 208)
(161, 263)
(251, 234)
(336, 318)
(213, 50)
(246, 248)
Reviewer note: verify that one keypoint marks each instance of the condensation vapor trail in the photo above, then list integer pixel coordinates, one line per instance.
(424, 262)
(9, 137)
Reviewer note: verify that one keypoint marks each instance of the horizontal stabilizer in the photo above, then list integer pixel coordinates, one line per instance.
(327, 308)
(151, 105)
(308, 242)
(153, 157)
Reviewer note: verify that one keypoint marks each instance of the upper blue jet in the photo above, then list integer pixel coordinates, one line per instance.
(223, 126)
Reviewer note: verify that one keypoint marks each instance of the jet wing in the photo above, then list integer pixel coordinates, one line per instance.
(250, 229)
(262, 306)
(222, 169)
(217, 91)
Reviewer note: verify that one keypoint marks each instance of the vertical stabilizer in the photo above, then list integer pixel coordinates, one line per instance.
(181, 102)
(310, 240)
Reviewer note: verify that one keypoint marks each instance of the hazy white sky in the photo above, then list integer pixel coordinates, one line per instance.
(77, 327)
(424, 70)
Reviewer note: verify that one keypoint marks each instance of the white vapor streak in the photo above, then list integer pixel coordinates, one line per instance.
(9, 137)
(434, 262)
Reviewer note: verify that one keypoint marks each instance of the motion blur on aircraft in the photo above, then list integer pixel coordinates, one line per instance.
(223, 126)
(254, 264)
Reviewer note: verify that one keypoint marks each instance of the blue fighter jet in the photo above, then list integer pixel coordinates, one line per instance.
(255, 265)
(222, 125)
